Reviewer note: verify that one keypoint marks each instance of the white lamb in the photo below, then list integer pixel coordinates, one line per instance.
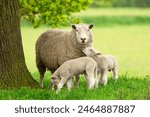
(105, 63)
(70, 68)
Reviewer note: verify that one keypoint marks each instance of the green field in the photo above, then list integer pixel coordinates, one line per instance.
(130, 43)
(115, 12)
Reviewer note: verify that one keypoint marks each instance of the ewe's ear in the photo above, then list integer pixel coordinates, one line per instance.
(91, 26)
(73, 26)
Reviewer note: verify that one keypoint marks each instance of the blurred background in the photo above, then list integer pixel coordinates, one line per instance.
(121, 28)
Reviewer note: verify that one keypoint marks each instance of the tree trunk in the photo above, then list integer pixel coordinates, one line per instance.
(13, 70)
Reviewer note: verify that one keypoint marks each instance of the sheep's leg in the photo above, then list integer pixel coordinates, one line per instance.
(70, 84)
(115, 73)
(91, 82)
(90, 79)
(96, 82)
(96, 78)
(42, 69)
(77, 77)
(41, 79)
(103, 79)
(61, 84)
(99, 77)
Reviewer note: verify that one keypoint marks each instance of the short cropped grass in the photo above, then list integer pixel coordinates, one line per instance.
(126, 88)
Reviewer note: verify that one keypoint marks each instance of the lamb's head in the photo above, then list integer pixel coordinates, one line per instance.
(82, 32)
(54, 82)
(90, 51)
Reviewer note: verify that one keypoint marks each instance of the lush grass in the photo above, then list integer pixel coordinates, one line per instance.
(125, 88)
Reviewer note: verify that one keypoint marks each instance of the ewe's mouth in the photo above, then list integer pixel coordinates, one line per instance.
(83, 42)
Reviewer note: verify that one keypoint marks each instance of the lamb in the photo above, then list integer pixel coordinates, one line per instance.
(70, 68)
(54, 47)
(105, 63)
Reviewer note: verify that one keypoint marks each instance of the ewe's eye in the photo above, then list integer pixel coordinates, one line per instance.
(91, 50)
(88, 30)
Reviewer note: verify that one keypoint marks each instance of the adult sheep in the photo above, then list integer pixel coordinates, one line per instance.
(54, 47)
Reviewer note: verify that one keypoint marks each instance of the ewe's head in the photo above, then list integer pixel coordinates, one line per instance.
(90, 51)
(54, 82)
(83, 34)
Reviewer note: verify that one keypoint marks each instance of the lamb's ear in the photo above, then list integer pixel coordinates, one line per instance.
(91, 26)
(73, 26)
(98, 53)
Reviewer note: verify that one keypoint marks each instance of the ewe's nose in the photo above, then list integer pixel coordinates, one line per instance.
(83, 39)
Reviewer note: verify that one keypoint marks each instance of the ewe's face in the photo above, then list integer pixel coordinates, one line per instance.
(54, 82)
(90, 51)
(83, 34)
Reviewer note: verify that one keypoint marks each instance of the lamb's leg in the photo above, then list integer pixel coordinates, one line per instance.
(91, 82)
(103, 79)
(61, 83)
(96, 78)
(115, 73)
(96, 82)
(77, 77)
(70, 84)
(90, 79)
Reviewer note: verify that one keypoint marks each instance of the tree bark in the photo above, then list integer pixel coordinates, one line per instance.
(13, 70)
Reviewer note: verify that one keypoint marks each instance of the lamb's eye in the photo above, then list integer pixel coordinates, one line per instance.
(77, 30)
(88, 30)
(91, 50)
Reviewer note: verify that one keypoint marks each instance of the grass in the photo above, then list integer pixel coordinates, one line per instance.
(114, 12)
(116, 20)
(124, 33)
(115, 16)
(125, 88)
